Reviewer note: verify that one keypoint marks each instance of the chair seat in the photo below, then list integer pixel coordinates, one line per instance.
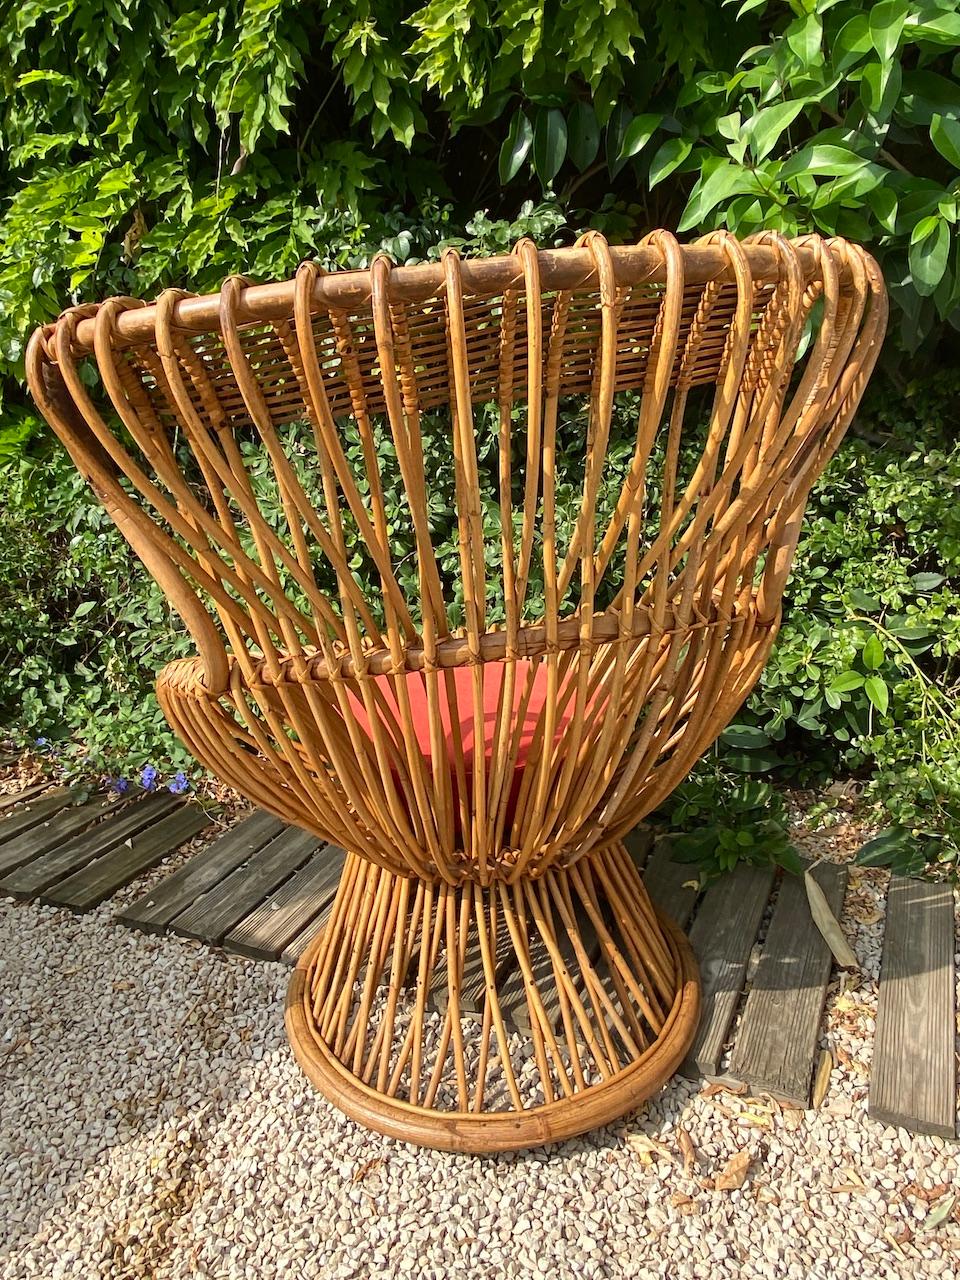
(520, 726)
(456, 701)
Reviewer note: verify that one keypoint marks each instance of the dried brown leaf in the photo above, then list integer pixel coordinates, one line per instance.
(722, 1086)
(828, 924)
(366, 1168)
(821, 1081)
(734, 1173)
(640, 1143)
(687, 1149)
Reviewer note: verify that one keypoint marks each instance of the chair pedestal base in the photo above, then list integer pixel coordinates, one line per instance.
(493, 1018)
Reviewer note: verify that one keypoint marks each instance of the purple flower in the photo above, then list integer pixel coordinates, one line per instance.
(148, 777)
(41, 742)
(121, 785)
(179, 784)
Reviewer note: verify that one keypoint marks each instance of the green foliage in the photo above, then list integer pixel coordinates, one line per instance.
(723, 818)
(82, 627)
(144, 145)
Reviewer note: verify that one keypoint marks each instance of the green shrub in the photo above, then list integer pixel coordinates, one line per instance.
(171, 142)
(865, 675)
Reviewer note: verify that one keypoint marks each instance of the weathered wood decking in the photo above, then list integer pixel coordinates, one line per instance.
(263, 890)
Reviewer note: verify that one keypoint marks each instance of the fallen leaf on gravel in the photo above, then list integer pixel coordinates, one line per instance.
(754, 1117)
(718, 1086)
(765, 1194)
(648, 1146)
(895, 1242)
(821, 1081)
(828, 924)
(926, 1193)
(687, 1149)
(734, 1173)
(939, 1214)
(680, 1199)
(364, 1169)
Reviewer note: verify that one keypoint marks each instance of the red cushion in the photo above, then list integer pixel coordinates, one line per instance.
(462, 712)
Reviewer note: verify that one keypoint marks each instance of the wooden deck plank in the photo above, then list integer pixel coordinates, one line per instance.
(154, 911)
(43, 872)
(281, 917)
(777, 1038)
(670, 884)
(913, 1078)
(32, 813)
(223, 906)
(55, 831)
(639, 844)
(8, 800)
(722, 936)
(296, 946)
(102, 877)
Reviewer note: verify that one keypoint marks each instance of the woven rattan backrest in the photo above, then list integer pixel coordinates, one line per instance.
(191, 396)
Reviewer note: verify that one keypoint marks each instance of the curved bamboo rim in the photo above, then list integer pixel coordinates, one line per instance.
(568, 268)
(464, 1131)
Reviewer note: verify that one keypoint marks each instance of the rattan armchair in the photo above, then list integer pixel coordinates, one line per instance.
(477, 674)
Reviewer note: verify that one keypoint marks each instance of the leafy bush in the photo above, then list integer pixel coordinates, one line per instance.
(174, 142)
(865, 675)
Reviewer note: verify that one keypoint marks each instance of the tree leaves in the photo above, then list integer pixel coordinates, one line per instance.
(515, 147)
(886, 26)
(878, 693)
(669, 157)
(929, 252)
(549, 144)
(637, 134)
(583, 135)
(945, 136)
(765, 128)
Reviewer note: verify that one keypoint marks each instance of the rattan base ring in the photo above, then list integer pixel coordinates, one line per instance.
(363, 1019)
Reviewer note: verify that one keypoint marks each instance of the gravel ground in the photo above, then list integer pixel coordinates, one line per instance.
(154, 1124)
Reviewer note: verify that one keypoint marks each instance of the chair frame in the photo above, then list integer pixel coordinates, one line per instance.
(506, 860)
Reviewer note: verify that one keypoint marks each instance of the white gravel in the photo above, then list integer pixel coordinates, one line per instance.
(153, 1124)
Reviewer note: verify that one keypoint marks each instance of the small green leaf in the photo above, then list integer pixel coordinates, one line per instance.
(823, 158)
(886, 26)
(872, 654)
(945, 136)
(85, 608)
(882, 849)
(638, 133)
(746, 736)
(925, 582)
(846, 682)
(669, 157)
(878, 693)
(852, 42)
(549, 144)
(929, 252)
(767, 125)
(753, 761)
(583, 135)
(866, 603)
(804, 36)
(515, 147)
